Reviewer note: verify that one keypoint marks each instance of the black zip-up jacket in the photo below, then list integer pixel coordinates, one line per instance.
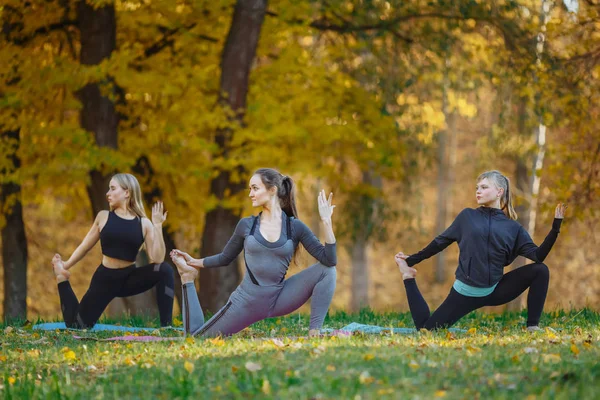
(488, 241)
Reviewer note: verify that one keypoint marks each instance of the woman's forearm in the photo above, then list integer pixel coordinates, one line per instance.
(159, 248)
(329, 235)
(196, 262)
(77, 255)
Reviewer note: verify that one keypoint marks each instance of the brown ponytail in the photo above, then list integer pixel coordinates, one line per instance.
(286, 190)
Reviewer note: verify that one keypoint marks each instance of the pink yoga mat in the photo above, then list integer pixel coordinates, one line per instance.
(131, 338)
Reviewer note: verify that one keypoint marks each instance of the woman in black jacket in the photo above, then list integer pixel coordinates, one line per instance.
(489, 238)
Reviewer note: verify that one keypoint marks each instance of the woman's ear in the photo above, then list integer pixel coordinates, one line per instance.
(273, 191)
(500, 193)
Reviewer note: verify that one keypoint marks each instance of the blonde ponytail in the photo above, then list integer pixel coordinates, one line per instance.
(503, 182)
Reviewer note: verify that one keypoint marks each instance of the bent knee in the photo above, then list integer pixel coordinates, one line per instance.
(328, 271)
(542, 269)
(165, 269)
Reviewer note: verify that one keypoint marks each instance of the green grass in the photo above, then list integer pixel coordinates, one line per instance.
(497, 359)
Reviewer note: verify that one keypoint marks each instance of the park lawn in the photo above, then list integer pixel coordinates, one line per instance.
(494, 358)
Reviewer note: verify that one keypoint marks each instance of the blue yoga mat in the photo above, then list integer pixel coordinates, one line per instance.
(356, 327)
(50, 326)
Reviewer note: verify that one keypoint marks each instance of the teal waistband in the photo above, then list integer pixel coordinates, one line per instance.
(472, 291)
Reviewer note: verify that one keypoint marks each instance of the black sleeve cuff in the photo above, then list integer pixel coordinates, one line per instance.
(556, 224)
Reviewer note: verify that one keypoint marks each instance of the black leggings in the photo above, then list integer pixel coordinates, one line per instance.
(533, 276)
(108, 283)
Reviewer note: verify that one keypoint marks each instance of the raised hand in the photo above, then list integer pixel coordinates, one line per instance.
(158, 214)
(561, 208)
(325, 207)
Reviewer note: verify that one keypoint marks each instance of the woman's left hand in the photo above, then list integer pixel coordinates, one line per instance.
(325, 207)
(561, 208)
(158, 214)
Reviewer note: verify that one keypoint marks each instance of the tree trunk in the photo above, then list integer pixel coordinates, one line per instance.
(14, 241)
(522, 209)
(360, 274)
(531, 191)
(369, 217)
(443, 182)
(238, 55)
(152, 192)
(98, 27)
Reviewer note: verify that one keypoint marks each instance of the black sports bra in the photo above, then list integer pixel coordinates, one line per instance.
(121, 238)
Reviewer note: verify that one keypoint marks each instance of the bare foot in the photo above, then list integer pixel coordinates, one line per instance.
(314, 332)
(60, 272)
(187, 273)
(407, 272)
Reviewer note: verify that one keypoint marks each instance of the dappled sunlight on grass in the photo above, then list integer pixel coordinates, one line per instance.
(493, 357)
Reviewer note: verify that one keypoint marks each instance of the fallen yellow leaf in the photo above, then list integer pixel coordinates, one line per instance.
(266, 386)
(551, 358)
(368, 357)
(365, 377)
(330, 368)
(217, 341)
(190, 340)
(440, 393)
(70, 355)
(189, 367)
(472, 331)
(413, 364)
(234, 369)
(574, 349)
(473, 349)
(35, 353)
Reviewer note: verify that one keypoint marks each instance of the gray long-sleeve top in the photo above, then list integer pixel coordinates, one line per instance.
(325, 254)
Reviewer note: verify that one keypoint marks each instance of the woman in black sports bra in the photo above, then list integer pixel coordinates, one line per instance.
(121, 232)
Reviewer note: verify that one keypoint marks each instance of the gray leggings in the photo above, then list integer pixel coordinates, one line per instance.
(250, 303)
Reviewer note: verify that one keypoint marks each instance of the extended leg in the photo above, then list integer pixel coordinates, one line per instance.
(451, 310)
(193, 317)
(95, 300)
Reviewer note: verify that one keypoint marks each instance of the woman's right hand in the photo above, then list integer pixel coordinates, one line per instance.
(407, 272)
(183, 254)
(58, 265)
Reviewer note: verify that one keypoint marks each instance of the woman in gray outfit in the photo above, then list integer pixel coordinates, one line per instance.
(270, 241)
